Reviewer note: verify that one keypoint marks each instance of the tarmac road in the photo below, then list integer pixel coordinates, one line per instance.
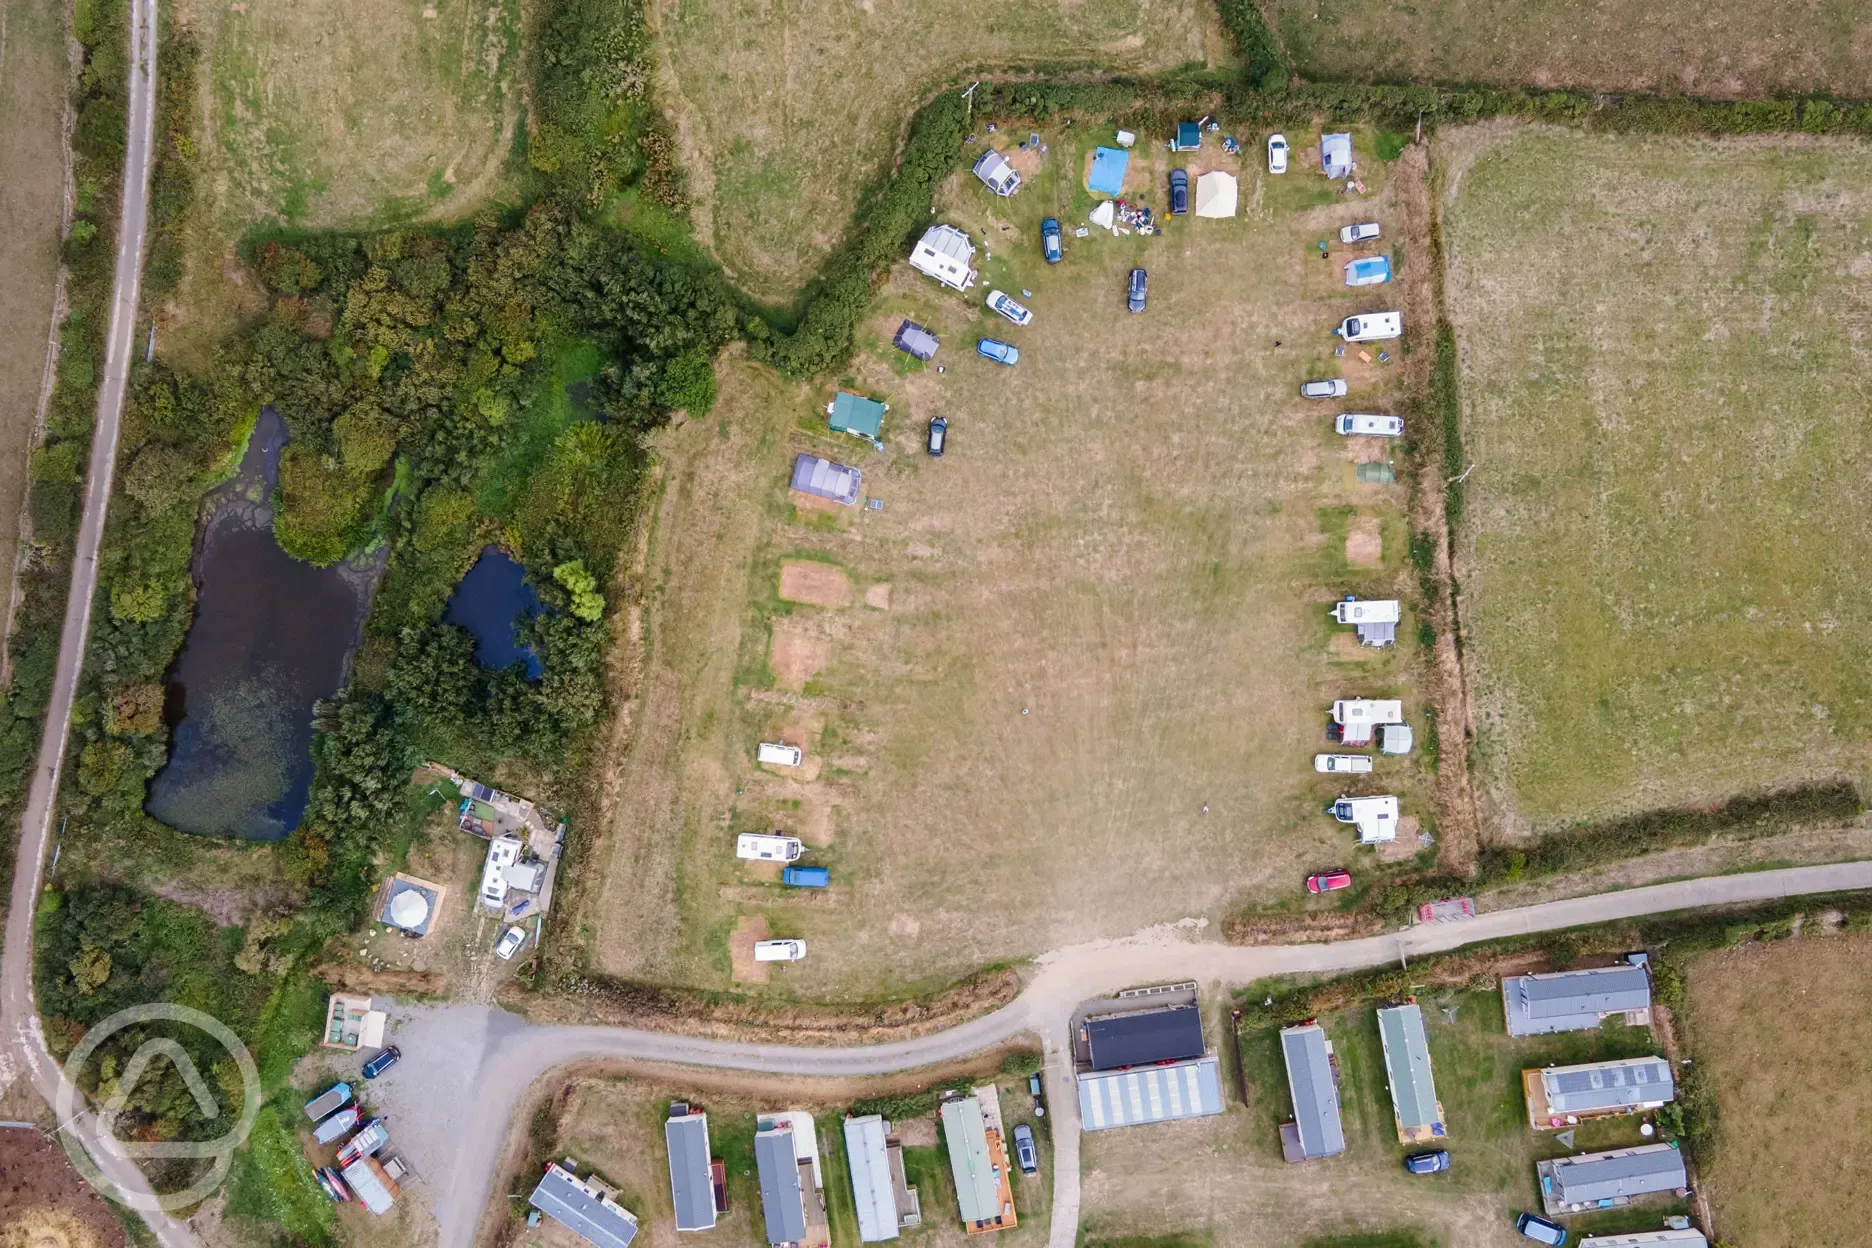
(455, 1140)
(24, 1048)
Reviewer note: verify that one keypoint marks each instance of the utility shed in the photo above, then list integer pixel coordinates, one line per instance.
(1314, 1090)
(1574, 1183)
(856, 415)
(824, 479)
(1594, 1088)
(1538, 1005)
(1407, 1065)
(1145, 1036)
(978, 1163)
(692, 1186)
(1129, 1098)
(783, 1203)
(583, 1208)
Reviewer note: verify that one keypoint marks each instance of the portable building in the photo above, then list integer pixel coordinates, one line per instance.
(1538, 1005)
(1624, 1086)
(885, 1200)
(1685, 1238)
(978, 1163)
(1141, 1037)
(1313, 1086)
(584, 1208)
(783, 1200)
(824, 479)
(1587, 1180)
(692, 1181)
(1414, 1104)
(946, 254)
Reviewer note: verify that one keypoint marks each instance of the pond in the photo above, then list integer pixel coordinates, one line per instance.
(492, 602)
(271, 636)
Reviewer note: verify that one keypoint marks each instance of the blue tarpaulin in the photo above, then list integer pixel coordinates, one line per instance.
(1108, 171)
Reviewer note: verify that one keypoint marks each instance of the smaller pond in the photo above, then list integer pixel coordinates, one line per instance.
(492, 602)
(271, 636)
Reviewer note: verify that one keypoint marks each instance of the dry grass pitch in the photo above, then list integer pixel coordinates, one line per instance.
(1092, 702)
(1662, 558)
(1784, 1035)
(786, 111)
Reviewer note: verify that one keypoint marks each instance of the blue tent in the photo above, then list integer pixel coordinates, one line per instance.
(1108, 171)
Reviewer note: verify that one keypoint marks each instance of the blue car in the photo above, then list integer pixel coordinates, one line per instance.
(1050, 240)
(382, 1062)
(1427, 1163)
(998, 351)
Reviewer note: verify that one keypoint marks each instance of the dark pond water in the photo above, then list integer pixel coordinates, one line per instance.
(271, 636)
(491, 602)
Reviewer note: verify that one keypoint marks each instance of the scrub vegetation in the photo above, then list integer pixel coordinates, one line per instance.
(1661, 575)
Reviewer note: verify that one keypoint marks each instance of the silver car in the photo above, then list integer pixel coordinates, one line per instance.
(1330, 388)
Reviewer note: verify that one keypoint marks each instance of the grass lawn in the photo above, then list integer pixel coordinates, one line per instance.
(331, 113)
(1103, 609)
(1785, 1043)
(786, 112)
(1709, 48)
(33, 86)
(616, 1126)
(1661, 555)
(1221, 1181)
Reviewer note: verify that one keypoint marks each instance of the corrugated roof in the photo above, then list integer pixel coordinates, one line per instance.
(598, 1221)
(782, 1204)
(978, 1187)
(1127, 1098)
(1310, 1084)
(1598, 1086)
(871, 1178)
(1593, 1177)
(1169, 1035)
(1572, 1000)
(1407, 1063)
(692, 1187)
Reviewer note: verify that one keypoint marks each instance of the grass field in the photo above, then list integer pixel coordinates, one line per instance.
(334, 114)
(616, 1126)
(34, 79)
(1709, 48)
(1786, 1051)
(786, 111)
(1084, 658)
(1661, 556)
(1221, 1181)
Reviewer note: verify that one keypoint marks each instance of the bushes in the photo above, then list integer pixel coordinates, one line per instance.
(1263, 58)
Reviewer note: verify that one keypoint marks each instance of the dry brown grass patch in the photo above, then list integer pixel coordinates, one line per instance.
(751, 929)
(798, 654)
(817, 584)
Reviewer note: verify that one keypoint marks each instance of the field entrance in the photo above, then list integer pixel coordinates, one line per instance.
(1066, 680)
(1661, 550)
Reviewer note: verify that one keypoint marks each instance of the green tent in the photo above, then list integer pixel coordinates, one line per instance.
(856, 415)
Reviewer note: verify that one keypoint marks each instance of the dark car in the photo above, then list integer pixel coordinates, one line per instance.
(1024, 1151)
(938, 434)
(1050, 240)
(1179, 192)
(1541, 1231)
(1136, 289)
(382, 1062)
(1428, 1163)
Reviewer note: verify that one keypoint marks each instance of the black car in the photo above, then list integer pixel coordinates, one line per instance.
(938, 434)
(1179, 192)
(1136, 289)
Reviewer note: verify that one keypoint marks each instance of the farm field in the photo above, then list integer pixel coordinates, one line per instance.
(1720, 48)
(1067, 682)
(1222, 1180)
(1785, 1050)
(33, 84)
(1659, 552)
(328, 114)
(615, 1125)
(786, 112)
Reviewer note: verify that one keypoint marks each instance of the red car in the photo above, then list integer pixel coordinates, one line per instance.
(1329, 881)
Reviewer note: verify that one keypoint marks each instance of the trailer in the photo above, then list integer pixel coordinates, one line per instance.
(332, 1098)
(373, 1137)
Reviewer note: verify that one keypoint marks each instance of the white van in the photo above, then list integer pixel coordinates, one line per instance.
(779, 950)
(1371, 327)
(758, 848)
(779, 755)
(1368, 425)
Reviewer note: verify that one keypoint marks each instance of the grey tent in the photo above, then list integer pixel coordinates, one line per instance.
(913, 339)
(825, 479)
